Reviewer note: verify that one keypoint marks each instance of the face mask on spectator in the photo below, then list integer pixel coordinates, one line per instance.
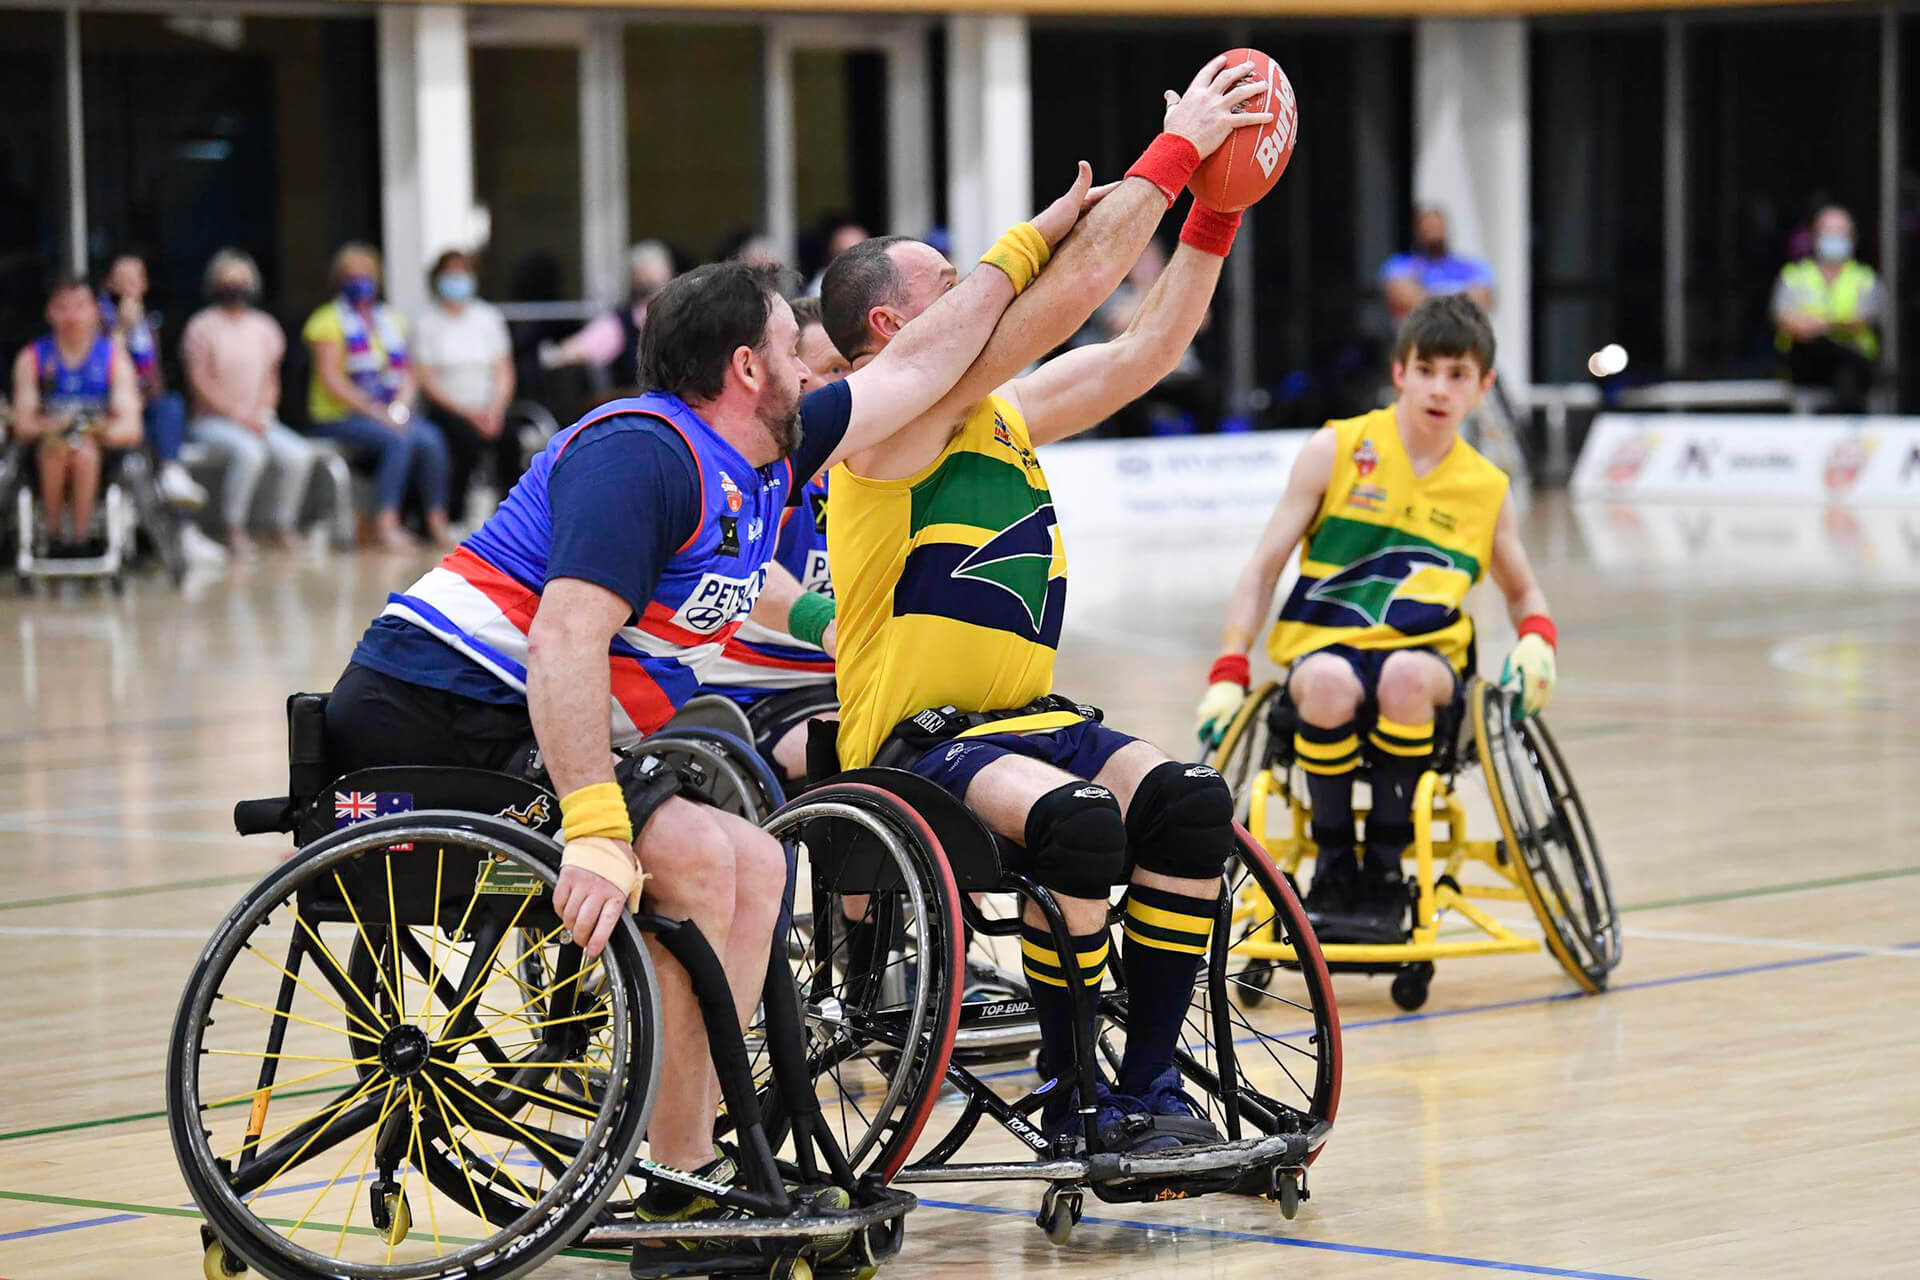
(359, 289)
(454, 286)
(231, 295)
(1834, 246)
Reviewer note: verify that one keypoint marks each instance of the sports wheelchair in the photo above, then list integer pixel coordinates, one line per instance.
(1269, 1080)
(128, 504)
(392, 1063)
(1545, 855)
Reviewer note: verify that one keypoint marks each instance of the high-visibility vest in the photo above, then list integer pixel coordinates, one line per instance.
(1836, 301)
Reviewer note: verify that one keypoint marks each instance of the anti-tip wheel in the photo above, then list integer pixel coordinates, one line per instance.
(1411, 983)
(791, 1267)
(217, 1264)
(1059, 1214)
(1286, 1194)
(1253, 982)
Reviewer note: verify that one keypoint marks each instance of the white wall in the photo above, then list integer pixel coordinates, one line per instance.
(426, 144)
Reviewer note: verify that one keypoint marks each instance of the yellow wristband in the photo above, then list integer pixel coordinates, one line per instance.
(609, 859)
(1021, 253)
(596, 810)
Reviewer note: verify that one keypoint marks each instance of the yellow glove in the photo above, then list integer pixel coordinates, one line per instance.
(1529, 671)
(1226, 690)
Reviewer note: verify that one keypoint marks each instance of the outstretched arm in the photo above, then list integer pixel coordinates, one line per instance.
(1086, 386)
(1092, 262)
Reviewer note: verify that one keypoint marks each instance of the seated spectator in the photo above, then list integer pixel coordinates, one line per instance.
(1408, 278)
(362, 395)
(75, 398)
(123, 308)
(465, 362)
(1180, 403)
(611, 340)
(841, 234)
(232, 352)
(1826, 313)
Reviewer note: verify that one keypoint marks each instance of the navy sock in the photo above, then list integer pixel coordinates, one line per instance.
(1166, 942)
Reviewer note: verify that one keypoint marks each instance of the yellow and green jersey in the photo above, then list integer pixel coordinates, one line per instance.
(1390, 556)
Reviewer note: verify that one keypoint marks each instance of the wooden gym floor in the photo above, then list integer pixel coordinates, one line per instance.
(1744, 1102)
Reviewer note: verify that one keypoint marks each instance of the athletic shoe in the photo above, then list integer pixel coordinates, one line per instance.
(986, 982)
(179, 488)
(199, 548)
(1176, 1112)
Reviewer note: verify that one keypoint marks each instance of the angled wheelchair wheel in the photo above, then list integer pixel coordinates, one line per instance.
(363, 1083)
(1242, 749)
(1261, 1048)
(877, 952)
(726, 768)
(1544, 824)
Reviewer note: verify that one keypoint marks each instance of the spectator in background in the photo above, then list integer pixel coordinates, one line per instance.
(1180, 403)
(465, 361)
(841, 234)
(1826, 314)
(123, 309)
(612, 340)
(362, 395)
(232, 352)
(1408, 278)
(75, 397)
(758, 250)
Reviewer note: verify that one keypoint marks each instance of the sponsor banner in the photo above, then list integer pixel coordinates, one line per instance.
(1188, 479)
(1739, 457)
(1784, 543)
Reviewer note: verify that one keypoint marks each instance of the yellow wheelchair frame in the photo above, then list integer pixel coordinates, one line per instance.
(1545, 855)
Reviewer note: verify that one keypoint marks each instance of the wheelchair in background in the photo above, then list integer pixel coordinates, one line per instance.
(1545, 853)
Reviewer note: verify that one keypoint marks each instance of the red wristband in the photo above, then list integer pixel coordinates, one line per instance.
(1539, 624)
(1168, 163)
(1230, 666)
(1209, 230)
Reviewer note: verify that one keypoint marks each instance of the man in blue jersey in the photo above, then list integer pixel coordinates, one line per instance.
(582, 614)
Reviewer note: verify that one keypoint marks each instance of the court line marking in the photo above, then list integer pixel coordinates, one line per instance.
(129, 834)
(1290, 1242)
(82, 1225)
(130, 891)
(1779, 944)
(63, 931)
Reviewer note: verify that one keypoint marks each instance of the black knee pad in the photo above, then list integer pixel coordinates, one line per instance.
(648, 782)
(1181, 821)
(1077, 841)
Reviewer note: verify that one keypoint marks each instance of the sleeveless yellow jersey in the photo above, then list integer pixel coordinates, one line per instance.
(1389, 559)
(950, 585)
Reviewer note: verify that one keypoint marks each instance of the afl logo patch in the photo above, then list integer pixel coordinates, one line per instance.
(732, 490)
(1364, 460)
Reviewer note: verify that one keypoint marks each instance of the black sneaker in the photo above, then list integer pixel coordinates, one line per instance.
(1176, 1112)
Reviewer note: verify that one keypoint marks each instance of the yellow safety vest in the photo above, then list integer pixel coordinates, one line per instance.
(1835, 301)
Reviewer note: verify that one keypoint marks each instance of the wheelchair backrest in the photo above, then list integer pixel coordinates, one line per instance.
(376, 793)
(973, 851)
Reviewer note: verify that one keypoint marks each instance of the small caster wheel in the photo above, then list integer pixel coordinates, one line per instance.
(1411, 983)
(1286, 1193)
(25, 583)
(880, 1241)
(392, 1217)
(1059, 1214)
(218, 1264)
(117, 584)
(790, 1267)
(1253, 983)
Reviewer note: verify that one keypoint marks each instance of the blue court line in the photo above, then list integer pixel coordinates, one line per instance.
(1327, 1246)
(81, 1225)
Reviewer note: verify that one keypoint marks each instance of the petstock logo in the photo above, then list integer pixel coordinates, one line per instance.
(1629, 458)
(1846, 459)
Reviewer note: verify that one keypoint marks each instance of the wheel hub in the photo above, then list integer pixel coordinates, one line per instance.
(404, 1051)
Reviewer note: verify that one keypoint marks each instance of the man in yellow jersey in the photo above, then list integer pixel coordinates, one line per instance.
(951, 582)
(1400, 518)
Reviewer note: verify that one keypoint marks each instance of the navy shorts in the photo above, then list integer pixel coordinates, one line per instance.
(1367, 664)
(1081, 749)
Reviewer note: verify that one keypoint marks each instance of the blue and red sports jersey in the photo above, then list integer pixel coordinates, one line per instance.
(83, 388)
(759, 660)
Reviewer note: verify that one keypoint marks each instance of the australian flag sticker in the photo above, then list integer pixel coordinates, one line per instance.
(350, 807)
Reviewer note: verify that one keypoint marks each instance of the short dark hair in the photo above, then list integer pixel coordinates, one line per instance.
(862, 278)
(696, 323)
(446, 259)
(1448, 325)
(62, 283)
(806, 311)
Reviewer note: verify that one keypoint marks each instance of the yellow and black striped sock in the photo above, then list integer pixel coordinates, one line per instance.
(1400, 754)
(1166, 942)
(1047, 980)
(1329, 756)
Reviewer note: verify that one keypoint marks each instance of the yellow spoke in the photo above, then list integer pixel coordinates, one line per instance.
(332, 1113)
(317, 994)
(288, 1057)
(495, 1066)
(540, 1097)
(459, 930)
(499, 1165)
(473, 1192)
(366, 1144)
(547, 990)
(334, 960)
(278, 1085)
(393, 942)
(420, 1163)
(433, 932)
(346, 1219)
(544, 1022)
(460, 1008)
(512, 1124)
(373, 952)
(294, 1017)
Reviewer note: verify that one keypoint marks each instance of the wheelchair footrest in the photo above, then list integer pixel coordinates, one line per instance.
(889, 1204)
(1178, 1164)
